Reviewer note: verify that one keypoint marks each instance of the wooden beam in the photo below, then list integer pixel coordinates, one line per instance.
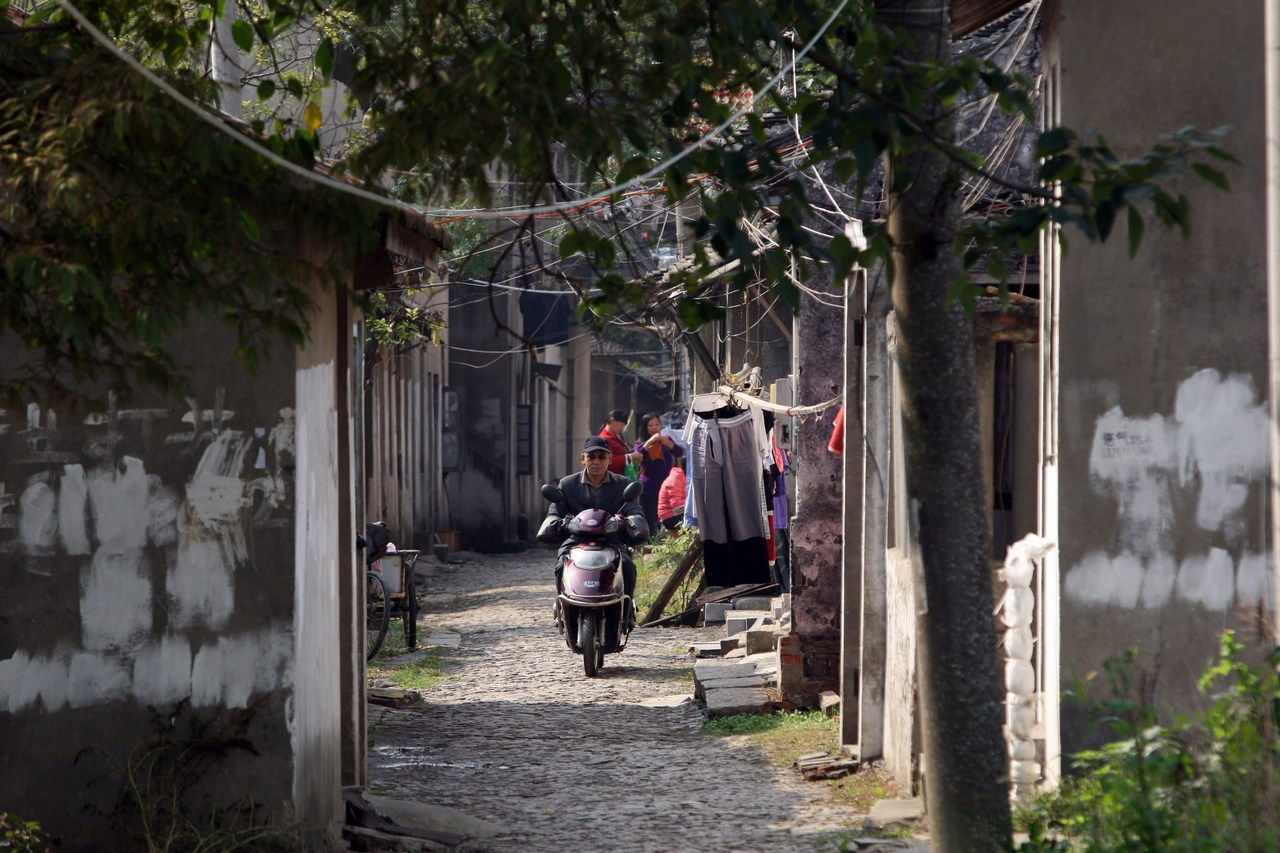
(668, 590)
(969, 15)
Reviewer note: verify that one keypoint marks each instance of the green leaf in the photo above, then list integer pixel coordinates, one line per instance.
(694, 314)
(1212, 175)
(324, 58)
(1054, 141)
(1227, 156)
(605, 254)
(1104, 217)
(1137, 227)
(1057, 167)
(571, 245)
(266, 89)
(250, 226)
(242, 34)
(283, 19)
(634, 166)
(842, 252)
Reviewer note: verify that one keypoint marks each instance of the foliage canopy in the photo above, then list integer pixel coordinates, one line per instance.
(123, 218)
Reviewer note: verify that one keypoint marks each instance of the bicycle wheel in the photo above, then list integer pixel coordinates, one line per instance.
(410, 610)
(377, 613)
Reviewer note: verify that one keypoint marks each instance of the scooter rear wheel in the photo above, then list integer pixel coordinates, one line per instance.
(590, 643)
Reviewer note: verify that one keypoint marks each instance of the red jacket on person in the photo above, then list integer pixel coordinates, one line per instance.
(620, 451)
(671, 494)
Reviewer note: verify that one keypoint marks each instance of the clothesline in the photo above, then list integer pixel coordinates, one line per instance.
(790, 411)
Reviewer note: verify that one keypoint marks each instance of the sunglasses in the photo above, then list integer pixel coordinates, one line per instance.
(600, 454)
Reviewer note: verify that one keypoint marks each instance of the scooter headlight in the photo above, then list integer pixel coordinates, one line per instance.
(591, 558)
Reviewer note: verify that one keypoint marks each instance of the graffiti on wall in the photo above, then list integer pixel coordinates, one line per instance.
(1187, 478)
(153, 509)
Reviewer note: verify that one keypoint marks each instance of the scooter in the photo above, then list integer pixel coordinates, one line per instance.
(593, 612)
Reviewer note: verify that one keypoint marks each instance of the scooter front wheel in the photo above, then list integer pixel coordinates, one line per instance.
(590, 644)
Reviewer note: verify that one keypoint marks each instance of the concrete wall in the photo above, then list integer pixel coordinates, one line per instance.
(1162, 411)
(151, 596)
(817, 522)
(483, 376)
(900, 740)
(492, 506)
(323, 556)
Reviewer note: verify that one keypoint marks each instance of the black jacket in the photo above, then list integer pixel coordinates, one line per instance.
(578, 495)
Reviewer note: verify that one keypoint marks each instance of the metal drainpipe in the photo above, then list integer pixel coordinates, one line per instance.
(1272, 77)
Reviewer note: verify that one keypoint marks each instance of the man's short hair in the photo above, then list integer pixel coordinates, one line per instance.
(595, 443)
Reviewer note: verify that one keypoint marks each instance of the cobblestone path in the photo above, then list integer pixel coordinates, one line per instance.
(521, 737)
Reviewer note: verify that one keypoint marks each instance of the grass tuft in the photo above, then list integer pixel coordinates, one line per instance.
(784, 737)
(420, 670)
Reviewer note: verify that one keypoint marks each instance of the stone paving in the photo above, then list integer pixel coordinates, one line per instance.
(519, 736)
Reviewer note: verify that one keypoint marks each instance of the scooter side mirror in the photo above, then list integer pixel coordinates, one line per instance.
(553, 494)
(632, 491)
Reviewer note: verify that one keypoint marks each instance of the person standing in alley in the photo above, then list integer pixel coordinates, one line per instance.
(611, 432)
(671, 497)
(657, 454)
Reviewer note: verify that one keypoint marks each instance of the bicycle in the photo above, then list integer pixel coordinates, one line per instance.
(388, 593)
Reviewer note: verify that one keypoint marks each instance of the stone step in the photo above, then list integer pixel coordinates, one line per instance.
(723, 701)
(709, 669)
(743, 620)
(754, 602)
(894, 814)
(713, 612)
(720, 683)
(707, 650)
(701, 689)
(759, 640)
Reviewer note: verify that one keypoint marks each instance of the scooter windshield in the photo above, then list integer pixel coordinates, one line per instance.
(592, 558)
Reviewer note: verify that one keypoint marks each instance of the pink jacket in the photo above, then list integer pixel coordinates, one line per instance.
(671, 494)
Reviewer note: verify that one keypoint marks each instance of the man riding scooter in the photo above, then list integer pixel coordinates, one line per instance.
(594, 487)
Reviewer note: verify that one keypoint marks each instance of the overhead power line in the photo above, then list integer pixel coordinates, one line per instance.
(220, 124)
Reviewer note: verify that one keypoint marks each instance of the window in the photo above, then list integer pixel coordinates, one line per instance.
(524, 439)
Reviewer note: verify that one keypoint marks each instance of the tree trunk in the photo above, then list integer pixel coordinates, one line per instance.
(960, 689)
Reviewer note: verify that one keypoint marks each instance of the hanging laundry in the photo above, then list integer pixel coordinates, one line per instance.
(836, 445)
(726, 440)
(781, 513)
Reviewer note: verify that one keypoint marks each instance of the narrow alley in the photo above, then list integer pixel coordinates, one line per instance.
(521, 738)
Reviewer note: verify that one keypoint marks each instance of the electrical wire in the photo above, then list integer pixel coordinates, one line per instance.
(816, 174)
(224, 127)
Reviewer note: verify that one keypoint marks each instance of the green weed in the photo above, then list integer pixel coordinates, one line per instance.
(746, 724)
(784, 737)
(1204, 783)
(416, 671)
(159, 805)
(656, 563)
(21, 836)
